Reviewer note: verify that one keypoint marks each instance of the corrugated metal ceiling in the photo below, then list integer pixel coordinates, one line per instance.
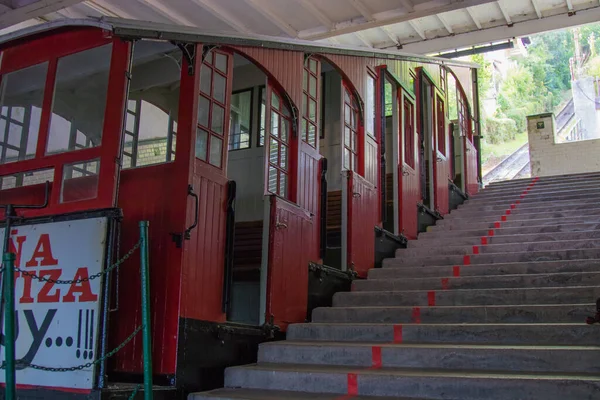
(418, 26)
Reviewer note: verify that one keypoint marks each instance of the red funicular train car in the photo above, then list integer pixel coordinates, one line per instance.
(259, 163)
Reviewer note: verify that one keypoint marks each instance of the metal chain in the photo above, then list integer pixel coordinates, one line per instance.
(135, 391)
(81, 280)
(83, 366)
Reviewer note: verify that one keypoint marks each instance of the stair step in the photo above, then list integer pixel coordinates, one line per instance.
(535, 195)
(537, 188)
(514, 223)
(425, 242)
(479, 282)
(563, 209)
(493, 314)
(468, 297)
(416, 383)
(526, 206)
(498, 248)
(262, 394)
(492, 258)
(503, 231)
(544, 359)
(515, 215)
(508, 334)
(445, 271)
(547, 179)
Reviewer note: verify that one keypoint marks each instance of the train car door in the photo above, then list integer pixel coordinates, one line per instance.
(408, 175)
(426, 127)
(441, 166)
(359, 196)
(469, 164)
(289, 226)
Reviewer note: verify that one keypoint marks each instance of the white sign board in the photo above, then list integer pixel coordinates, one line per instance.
(58, 323)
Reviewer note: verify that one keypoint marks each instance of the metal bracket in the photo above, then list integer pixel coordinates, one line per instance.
(294, 111)
(207, 49)
(189, 53)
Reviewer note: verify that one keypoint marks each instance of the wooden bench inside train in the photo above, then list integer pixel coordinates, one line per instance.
(256, 164)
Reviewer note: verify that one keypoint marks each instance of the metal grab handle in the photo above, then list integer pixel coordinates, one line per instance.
(405, 172)
(440, 159)
(356, 195)
(280, 225)
(187, 235)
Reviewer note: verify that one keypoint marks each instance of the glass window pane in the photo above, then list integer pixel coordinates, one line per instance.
(201, 144)
(347, 113)
(219, 88)
(216, 151)
(303, 129)
(312, 135)
(354, 141)
(305, 80)
(29, 178)
(285, 129)
(80, 181)
(354, 162)
(274, 152)
(205, 79)
(283, 159)
(29, 97)
(14, 134)
(282, 184)
(313, 65)
(347, 157)
(313, 86)
(274, 124)
(346, 96)
(312, 110)
(241, 119)
(370, 107)
(272, 184)
(218, 116)
(203, 108)
(347, 133)
(17, 114)
(275, 100)
(221, 62)
(132, 105)
(305, 105)
(130, 123)
(79, 98)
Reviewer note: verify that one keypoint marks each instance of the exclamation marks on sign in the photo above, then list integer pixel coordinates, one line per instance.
(85, 335)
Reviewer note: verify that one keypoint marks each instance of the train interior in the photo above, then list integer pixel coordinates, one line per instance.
(458, 166)
(392, 136)
(331, 147)
(427, 144)
(246, 166)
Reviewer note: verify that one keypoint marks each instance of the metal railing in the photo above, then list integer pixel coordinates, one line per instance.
(10, 364)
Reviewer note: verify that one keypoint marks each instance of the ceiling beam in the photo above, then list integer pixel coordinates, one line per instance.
(498, 33)
(474, 18)
(417, 29)
(505, 13)
(393, 37)
(104, 8)
(160, 8)
(448, 27)
(222, 14)
(423, 9)
(24, 10)
(363, 39)
(265, 10)
(536, 6)
(408, 5)
(362, 9)
(318, 14)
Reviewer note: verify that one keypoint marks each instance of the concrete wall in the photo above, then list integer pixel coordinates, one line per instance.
(551, 158)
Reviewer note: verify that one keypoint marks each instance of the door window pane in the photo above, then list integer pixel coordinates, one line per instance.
(205, 79)
(29, 178)
(203, 108)
(201, 144)
(22, 95)
(218, 116)
(216, 151)
(370, 107)
(241, 120)
(221, 62)
(80, 181)
(79, 98)
(219, 88)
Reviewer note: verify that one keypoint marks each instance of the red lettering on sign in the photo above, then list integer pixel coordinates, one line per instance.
(43, 251)
(44, 295)
(83, 288)
(16, 250)
(26, 298)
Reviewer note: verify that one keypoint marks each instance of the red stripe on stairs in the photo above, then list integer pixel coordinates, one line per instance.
(456, 270)
(445, 283)
(352, 384)
(376, 357)
(431, 298)
(475, 249)
(467, 260)
(397, 333)
(416, 315)
(484, 239)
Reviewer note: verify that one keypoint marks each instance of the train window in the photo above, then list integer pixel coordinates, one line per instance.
(279, 142)
(310, 101)
(79, 100)
(370, 106)
(441, 125)
(350, 131)
(210, 134)
(29, 178)
(153, 105)
(21, 102)
(262, 116)
(80, 181)
(241, 120)
(409, 133)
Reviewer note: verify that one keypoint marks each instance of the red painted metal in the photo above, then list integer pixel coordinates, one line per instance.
(309, 191)
(287, 281)
(362, 218)
(442, 164)
(408, 167)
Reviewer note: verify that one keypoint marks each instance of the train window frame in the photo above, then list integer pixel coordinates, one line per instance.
(352, 144)
(283, 113)
(251, 120)
(310, 74)
(261, 116)
(370, 108)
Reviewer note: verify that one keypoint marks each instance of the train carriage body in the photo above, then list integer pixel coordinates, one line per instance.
(255, 161)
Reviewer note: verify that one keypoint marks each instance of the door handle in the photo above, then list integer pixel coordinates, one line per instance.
(356, 195)
(405, 172)
(440, 159)
(280, 225)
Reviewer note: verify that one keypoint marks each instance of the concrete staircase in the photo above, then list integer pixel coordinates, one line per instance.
(489, 304)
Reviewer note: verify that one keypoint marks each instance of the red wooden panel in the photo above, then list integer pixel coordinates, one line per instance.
(309, 192)
(470, 167)
(362, 212)
(442, 164)
(204, 258)
(148, 194)
(287, 281)
(409, 183)
(371, 161)
(284, 66)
